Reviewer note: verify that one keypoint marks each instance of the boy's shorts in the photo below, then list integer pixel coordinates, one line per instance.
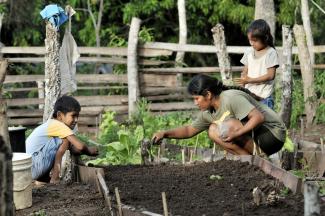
(43, 160)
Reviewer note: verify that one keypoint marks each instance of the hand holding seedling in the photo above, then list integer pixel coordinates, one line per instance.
(157, 137)
(93, 151)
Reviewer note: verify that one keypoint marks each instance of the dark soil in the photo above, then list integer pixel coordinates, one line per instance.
(190, 191)
(66, 200)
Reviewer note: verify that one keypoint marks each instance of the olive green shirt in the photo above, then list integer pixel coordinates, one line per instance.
(237, 104)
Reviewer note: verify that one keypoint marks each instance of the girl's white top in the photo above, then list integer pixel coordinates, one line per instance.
(257, 67)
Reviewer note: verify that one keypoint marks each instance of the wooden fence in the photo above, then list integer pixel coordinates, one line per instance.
(157, 81)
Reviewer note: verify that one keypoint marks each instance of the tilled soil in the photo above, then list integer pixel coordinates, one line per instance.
(191, 191)
(66, 200)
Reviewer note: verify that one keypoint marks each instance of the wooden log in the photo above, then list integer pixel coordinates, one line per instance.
(52, 70)
(264, 9)
(223, 58)
(132, 66)
(311, 199)
(305, 15)
(286, 99)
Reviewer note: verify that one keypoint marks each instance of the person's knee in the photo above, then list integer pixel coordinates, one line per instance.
(213, 131)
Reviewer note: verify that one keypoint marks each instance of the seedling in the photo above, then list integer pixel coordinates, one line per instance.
(216, 177)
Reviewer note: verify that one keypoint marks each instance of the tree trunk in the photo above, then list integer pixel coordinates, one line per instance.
(307, 26)
(223, 57)
(182, 37)
(264, 9)
(6, 184)
(52, 70)
(306, 72)
(132, 65)
(286, 101)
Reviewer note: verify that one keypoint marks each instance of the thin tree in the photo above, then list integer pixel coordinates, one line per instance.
(305, 15)
(264, 9)
(306, 72)
(182, 37)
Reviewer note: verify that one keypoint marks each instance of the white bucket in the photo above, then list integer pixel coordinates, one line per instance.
(22, 179)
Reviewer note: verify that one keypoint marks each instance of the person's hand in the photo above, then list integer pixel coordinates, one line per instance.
(93, 151)
(241, 80)
(230, 136)
(157, 137)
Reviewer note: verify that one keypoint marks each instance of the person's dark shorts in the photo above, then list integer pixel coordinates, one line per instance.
(267, 141)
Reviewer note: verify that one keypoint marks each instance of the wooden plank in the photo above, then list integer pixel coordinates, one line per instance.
(172, 106)
(81, 78)
(89, 60)
(114, 51)
(93, 111)
(180, 97)
(164, 80)
(149, 91)
(39, 120)
(288, 179)
(189, 70)
(83, 100)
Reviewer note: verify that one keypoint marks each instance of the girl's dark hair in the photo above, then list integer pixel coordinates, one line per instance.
(66, 104)
(201, 84)
(261, 30)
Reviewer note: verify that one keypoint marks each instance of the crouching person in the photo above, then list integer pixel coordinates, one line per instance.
(49, 141)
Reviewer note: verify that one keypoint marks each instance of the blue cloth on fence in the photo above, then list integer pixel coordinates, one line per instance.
(54, 14)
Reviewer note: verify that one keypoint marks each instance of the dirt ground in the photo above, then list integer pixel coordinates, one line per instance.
(191, 191)
(65, 200)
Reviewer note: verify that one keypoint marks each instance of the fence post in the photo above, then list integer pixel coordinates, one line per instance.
(286, 99)
(6, 184)
(223, 58)
(132, 65)
(52, 73)
(311, 199)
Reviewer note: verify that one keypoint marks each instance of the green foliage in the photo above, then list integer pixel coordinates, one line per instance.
(284, 192)
(108, 128)
(39, 213)
(124, 151)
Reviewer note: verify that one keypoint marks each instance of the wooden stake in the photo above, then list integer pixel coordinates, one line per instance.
(301, 128)
(191, 155)
(163, 195)
(104, 190)
(118, 200)
(311, 199)
(322, 145)
(158, 156)
(183, 156)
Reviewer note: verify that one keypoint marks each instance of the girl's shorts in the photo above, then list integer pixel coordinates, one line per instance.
(43, 160)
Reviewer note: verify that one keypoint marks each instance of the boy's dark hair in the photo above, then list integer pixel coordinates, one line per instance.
(261, 30)
(66, 104)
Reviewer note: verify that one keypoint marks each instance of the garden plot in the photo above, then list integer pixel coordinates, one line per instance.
(218, 188)
(66, 200)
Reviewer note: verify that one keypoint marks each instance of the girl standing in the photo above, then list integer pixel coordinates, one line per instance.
(261, 61)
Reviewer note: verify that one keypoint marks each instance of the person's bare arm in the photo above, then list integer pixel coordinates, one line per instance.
(177, 133)
(238, 81)
(267, 77)
(255, 118)
(80, 147)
